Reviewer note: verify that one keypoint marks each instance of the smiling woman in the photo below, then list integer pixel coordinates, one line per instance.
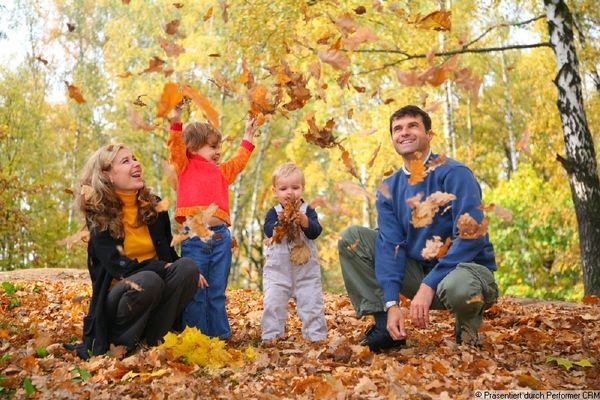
(139, 284)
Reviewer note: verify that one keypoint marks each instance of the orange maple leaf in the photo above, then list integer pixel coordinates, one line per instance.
(211, 114)
(437, 21)
(169, 98)
(417, 170)
(468, 228)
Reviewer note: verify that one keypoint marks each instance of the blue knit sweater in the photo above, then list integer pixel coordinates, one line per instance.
(398, 239)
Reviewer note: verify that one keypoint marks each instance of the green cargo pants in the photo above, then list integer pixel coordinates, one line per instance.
(467, 291)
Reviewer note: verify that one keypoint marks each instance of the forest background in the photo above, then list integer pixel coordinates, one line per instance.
(323, 77)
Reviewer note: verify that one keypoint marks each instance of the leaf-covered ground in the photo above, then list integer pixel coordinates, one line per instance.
(36, 315)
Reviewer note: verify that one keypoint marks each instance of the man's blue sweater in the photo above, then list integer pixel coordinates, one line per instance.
(398, 239)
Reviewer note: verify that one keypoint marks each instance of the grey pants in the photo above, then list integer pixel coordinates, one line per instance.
(283, 280)
(147, 308)
(467, 291)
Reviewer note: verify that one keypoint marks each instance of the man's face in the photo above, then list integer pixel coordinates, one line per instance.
(409, 136)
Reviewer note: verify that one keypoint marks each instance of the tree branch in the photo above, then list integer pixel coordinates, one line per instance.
(444, 53)
(505, 25)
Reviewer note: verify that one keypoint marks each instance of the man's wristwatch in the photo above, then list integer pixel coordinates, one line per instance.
(390, 304)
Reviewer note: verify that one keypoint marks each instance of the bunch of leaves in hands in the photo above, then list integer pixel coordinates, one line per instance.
(288, 227)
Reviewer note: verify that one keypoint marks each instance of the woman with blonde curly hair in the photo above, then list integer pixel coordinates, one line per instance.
(139, 284)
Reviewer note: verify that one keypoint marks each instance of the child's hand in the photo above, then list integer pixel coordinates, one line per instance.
(176, 115)
(303, 220)
(250, 129)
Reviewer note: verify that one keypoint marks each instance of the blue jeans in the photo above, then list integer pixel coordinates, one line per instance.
(207, 311)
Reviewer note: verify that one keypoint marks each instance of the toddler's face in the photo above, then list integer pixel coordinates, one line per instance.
(288, 187)
(211, 151)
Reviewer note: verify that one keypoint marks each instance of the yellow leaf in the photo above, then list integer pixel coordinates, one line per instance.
(437, 21)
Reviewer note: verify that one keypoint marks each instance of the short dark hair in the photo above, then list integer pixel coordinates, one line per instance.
(412, 111)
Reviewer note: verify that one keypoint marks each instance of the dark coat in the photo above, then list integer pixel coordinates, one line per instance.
(105, 263)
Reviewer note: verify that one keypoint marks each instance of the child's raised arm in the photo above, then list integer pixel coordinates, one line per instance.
(250, 129)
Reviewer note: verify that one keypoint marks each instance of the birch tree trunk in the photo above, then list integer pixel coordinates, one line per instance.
(580, 161)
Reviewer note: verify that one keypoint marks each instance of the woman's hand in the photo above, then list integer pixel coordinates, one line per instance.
(202, 282)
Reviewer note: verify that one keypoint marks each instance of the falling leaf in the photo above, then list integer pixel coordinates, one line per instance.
(42, 60)
(169, 98)
(336, 58)
(468, 228)
(170, 173)
(364, 34)
(437, 21)
(346, 23)
(224, 6)
(322, 137)
(208, 14)
(74, 93)
(171, 49)
(360, 10)
(70, 27)
(82, 235)
(384, 189)
(138, 101)
(178, 238)
(373, 156)
(435, 248)
(424, 211)
(417, 170)
(409, 78)
(172, 27)
(136, 120)
(154, 65)
(133, 285)
(211, 114)
(352, 188)
(349, 164)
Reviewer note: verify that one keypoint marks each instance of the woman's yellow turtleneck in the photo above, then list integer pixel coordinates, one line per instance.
(138, 243)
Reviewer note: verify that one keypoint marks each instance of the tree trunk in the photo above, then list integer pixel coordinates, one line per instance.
(580, 161)
(508, 118)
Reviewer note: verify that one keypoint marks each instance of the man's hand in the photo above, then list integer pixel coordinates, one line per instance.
(250, 129)
(395, 323)
(419, 306)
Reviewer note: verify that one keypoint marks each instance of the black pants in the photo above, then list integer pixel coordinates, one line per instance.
(144, 306)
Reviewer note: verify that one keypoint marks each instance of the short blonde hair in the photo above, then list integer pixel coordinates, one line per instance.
(197, 134)
(285, 170)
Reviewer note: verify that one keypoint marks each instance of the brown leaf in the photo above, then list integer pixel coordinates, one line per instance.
(154, 65)
(360, 10)
(346, 23)
(437, 21)
(417, 170)
(336, 58)
(42, 60)
(224, 6)
(171, 49)
(136, 120)
(468, 228)
(132, 284)
(172, 27)
(70, 27)
(74, 93)
(300, 254)
(349, 164)
(373, 156)
(384, 189)
(362, 35)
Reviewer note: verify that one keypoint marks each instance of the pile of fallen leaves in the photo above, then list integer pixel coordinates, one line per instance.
(527, 344)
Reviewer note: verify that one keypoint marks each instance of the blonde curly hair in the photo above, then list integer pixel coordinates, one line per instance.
(98, 201)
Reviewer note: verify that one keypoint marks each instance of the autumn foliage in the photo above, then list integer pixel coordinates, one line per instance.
(527, 344)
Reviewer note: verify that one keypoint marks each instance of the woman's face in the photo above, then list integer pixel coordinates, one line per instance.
(126, 172)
